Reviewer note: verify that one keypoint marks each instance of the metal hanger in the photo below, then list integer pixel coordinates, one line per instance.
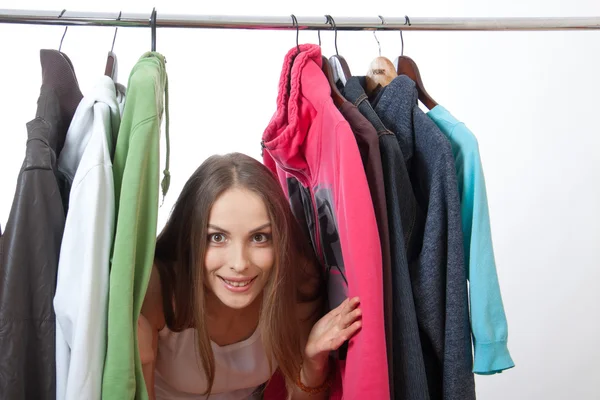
(406, 66)
(340, 68)
(65, 32)
(111, 60)
(381, 71)
(319, 35)
(336, 95)
(295, 24)
(377, 40)
(68, 62)
(153, 29)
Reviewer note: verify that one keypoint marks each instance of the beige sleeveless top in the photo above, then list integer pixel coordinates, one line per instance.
(240, 368)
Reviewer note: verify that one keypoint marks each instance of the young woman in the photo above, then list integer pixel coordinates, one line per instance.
(235, 293)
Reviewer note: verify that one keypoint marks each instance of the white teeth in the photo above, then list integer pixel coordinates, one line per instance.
(237, 284)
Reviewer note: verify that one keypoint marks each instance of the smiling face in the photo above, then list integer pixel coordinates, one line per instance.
(239, 249)
(210, 238)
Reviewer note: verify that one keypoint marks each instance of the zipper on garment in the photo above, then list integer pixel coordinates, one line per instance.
(294, 172)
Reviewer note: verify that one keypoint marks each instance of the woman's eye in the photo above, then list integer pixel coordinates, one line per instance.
(260, 238)
(217, 238)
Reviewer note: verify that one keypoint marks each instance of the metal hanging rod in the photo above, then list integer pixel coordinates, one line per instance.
(41, 17)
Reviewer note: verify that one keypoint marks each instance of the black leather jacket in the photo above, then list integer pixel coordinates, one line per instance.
(30, 244)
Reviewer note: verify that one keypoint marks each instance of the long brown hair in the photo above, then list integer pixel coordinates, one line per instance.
(181, 250)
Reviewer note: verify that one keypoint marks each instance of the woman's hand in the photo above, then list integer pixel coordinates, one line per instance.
(328, 334)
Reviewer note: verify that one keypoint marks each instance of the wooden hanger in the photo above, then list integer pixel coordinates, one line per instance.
(381, 71)
(406, 66)
(338, 98)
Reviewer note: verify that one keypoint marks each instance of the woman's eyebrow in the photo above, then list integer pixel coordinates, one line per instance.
(216, 228)
(261, 227)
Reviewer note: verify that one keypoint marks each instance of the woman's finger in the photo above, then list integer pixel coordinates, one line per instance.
(344, 335)
(336, 312)
(351, 304)
(351, 330)
(337, 341)
(342, 306)
(350, 317)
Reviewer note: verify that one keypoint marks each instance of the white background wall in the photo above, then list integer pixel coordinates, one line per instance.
(532, 99)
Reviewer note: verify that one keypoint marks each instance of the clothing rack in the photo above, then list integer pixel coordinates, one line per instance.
(69, 18)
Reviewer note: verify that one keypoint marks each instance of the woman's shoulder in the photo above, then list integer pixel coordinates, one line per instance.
(152, 308)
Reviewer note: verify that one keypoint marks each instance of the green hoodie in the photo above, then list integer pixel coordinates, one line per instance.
(136, 174)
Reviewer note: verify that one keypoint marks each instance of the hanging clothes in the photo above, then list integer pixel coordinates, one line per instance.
(81, 297)
(310, 147)
(405, 223)
(488, 320)
(30, 245)
(368, 146)
(136, 175)
(438, 276)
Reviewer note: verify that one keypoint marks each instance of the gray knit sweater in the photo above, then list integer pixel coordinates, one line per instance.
(438, 273)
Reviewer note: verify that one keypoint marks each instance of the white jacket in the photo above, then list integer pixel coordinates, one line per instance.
(81, 297)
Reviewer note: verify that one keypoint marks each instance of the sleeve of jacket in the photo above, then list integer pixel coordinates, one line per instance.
(82, 286)
(458, 380)
(366, 369)
(444, 251)
(30, 247)
(488, 319)
(136, 176)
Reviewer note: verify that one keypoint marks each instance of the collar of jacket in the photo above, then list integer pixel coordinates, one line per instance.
(303, 90)
(354, 91)
(395, 105)
(86, 121)
(59, 96)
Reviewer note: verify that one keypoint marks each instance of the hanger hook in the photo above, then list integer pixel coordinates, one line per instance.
(295, 23)
(406, 22)
(115, 36)
(153, 28)
(319, 35)
(378, 44)
(65, 32)
(375, 34)
(402, 42)
(334, 27)
(319, 31)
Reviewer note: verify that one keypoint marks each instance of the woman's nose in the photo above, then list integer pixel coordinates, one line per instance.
(239, 261)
